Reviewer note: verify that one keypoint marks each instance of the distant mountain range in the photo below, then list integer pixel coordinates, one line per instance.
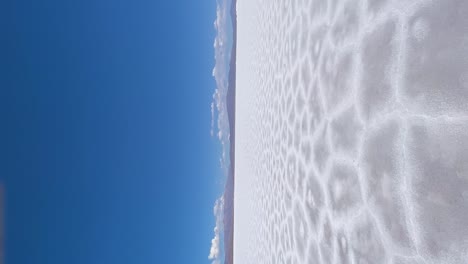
(231, 109)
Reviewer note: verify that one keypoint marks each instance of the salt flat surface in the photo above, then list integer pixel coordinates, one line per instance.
(351, 132)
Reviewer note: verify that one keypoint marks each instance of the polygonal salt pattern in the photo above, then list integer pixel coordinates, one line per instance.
(337, 78)
(301, 231)
(384, 181)
(437, 64)
(378, 52)
(438, 152)
(346, 23)
(344, 190)
(317, 39)
(343, 255)
(314, 201)
(346, 129)
(327, 242)
(351, 132)
(322, 150)
(314, 107)
(366, 242)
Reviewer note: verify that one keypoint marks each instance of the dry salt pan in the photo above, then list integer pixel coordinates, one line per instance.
(351, 132)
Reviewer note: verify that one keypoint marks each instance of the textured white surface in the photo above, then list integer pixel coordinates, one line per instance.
(351, 132)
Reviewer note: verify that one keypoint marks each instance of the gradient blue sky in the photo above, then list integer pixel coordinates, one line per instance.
(105, 131)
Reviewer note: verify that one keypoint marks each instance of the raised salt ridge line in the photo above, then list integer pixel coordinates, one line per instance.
(351, 132)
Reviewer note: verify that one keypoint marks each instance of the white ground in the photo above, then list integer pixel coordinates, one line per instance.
(352, 132)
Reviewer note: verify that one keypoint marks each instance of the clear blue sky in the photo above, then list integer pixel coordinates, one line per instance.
(105, 131)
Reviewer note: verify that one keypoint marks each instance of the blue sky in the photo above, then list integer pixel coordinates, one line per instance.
(106, 149)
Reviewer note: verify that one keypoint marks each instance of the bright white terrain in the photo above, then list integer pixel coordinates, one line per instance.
(351, 132)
